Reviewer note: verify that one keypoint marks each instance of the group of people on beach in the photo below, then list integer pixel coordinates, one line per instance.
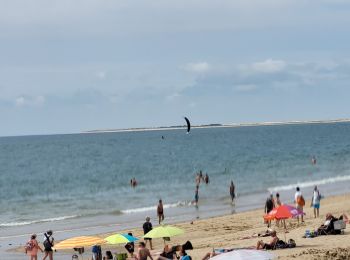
(299, 201)
(32, 246)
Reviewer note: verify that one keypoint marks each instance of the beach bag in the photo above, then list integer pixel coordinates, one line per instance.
(301, 201)
(187, 246)
(280, 244)
(291, 243)
(30, 245)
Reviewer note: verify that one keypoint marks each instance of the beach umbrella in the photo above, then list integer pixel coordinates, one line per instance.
(246, 254)
(79, 242)
(283, 212)
(120, 239)
(164, 231)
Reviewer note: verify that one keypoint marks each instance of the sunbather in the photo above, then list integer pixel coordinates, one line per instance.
(327, 228)
(268, 246)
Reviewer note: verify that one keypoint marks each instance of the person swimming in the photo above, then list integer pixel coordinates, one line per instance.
(206, 178)
(133, 182)
(313, 160)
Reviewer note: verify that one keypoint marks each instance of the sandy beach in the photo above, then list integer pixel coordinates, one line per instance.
(233, 231)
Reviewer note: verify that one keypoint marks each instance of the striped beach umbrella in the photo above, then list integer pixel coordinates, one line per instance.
(79, 242)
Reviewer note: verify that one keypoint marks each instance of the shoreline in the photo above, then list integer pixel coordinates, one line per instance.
(228, 230)
(219, 125)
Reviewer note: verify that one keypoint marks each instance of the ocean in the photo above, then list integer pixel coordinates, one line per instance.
(81, 182)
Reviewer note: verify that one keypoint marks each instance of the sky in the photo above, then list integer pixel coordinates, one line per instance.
(71, 66)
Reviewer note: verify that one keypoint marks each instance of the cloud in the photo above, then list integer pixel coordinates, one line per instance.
(245, 88)
(269, 66)
(101, 74)
(26, 100)
(198, 67)
(271, 75)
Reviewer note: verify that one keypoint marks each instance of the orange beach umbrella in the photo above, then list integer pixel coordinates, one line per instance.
(283, 212)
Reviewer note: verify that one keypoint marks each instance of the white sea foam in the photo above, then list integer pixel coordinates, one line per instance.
(166, 206)
(23, 223)
(310, 183)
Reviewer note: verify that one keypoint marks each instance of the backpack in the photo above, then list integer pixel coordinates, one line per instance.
(29, 245)
(47, 243)
(301, 201)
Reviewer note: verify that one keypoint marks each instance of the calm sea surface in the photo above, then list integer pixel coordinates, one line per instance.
(49, 181)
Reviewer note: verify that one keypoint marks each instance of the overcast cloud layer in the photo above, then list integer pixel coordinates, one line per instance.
(69, 66)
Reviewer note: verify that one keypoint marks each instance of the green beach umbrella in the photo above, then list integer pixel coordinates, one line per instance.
(164, 231)
(120, 239)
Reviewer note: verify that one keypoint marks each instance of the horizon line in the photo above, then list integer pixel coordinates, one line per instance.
(216, 125)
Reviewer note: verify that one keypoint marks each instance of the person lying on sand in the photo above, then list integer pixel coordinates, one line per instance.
(268, 246)
(215, 253)
(267, 233)
(168, 253)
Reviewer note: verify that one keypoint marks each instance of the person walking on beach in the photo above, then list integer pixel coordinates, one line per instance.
(315, 202)
(48, 244)
(299, 202)
(269, 205)
(147, 227)
(32, 248)
(232, 192)
(160, 211)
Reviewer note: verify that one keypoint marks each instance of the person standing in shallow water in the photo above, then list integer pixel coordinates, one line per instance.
(206, 178)
(196, 196)
(232, 192)
(160, 211)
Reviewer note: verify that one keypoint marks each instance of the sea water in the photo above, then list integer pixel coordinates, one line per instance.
(81, 182)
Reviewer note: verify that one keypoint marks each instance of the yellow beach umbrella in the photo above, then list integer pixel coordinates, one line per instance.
(120, 239)
(164, 231)
(79, 242)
